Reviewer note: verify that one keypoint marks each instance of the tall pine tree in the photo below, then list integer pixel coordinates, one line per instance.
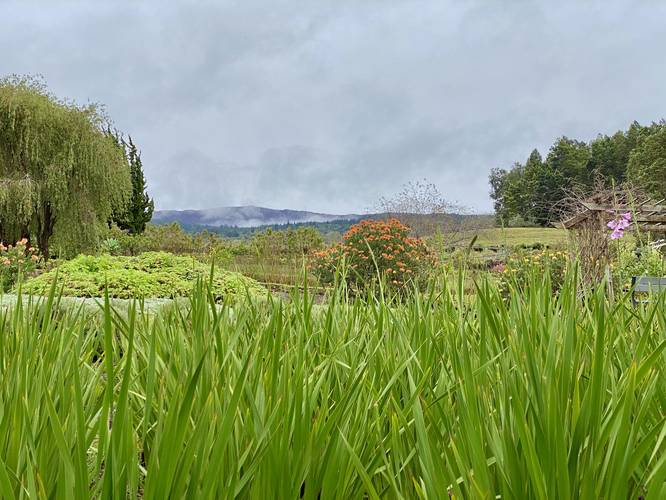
(139, 210)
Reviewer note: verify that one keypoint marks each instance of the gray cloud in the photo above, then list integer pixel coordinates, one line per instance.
(328, 105)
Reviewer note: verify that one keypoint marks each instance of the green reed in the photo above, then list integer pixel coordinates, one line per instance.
(473, 397)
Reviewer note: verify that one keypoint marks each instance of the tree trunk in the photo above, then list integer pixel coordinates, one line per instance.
(45, 230)
(25, 234)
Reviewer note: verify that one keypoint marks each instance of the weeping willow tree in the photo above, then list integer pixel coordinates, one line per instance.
(61, 175)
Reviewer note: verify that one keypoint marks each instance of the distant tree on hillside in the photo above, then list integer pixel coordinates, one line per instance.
(61, 176)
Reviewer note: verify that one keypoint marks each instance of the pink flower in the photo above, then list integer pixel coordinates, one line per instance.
(498, 268)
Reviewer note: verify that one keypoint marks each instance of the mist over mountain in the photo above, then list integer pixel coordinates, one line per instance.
(244, 216)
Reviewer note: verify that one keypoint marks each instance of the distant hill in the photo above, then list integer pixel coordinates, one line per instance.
(244, 217)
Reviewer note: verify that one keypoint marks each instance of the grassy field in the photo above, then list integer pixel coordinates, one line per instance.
(539, 397)
(270, 270)
(515, 236)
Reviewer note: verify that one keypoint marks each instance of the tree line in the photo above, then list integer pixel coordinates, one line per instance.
(336, 226)
(531, 193)
(64, 174)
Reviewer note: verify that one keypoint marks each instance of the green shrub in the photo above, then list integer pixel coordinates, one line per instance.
(205, 246)
(635, 261)
(289, 242)
(158, 238)
(16, 263)
(151, 274)
(111, 246)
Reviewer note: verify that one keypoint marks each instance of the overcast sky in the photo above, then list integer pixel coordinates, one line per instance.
(327, 106)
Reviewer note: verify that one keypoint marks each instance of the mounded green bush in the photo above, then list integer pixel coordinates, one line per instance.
(151, 274)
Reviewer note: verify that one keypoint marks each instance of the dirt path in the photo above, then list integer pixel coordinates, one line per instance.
(9, 300)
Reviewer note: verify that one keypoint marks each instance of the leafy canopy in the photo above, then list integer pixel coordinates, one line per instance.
(533, 191)
(61, 176)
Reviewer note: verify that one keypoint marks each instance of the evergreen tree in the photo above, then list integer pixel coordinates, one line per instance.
(547, 192)
(569, 158)
(139, 210)
(609, 157)
(647, 164)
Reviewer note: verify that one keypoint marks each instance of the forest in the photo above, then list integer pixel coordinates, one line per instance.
(534, 192)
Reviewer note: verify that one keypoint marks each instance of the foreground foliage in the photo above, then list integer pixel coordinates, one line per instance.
(151, 274)
(543, 398)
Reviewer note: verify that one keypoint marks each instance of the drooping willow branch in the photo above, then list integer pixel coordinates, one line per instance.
(60, 174)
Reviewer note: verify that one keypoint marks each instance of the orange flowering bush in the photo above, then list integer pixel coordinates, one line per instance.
(372, 248)
(16, 262)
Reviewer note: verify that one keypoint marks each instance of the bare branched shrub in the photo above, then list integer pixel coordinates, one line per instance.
(591, 247)
(422, 207)
(589, 235)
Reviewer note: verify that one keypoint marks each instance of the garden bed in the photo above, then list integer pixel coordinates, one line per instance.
(149, 275)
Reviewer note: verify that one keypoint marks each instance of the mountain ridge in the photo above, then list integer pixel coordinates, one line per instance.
(245, 216)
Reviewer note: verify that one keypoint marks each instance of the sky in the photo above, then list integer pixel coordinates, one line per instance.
(328, 106)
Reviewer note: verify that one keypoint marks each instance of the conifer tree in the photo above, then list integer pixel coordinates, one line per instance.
(139, 209)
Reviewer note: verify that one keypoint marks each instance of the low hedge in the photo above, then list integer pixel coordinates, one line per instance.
(151, 274)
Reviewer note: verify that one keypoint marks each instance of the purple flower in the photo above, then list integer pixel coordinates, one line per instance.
(619, 225)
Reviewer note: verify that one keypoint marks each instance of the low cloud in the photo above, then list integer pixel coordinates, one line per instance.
(327, 107)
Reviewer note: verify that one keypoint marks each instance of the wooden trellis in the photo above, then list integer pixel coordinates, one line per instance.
(647, 214)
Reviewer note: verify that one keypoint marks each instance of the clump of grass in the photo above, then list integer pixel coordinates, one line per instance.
(537, 397)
